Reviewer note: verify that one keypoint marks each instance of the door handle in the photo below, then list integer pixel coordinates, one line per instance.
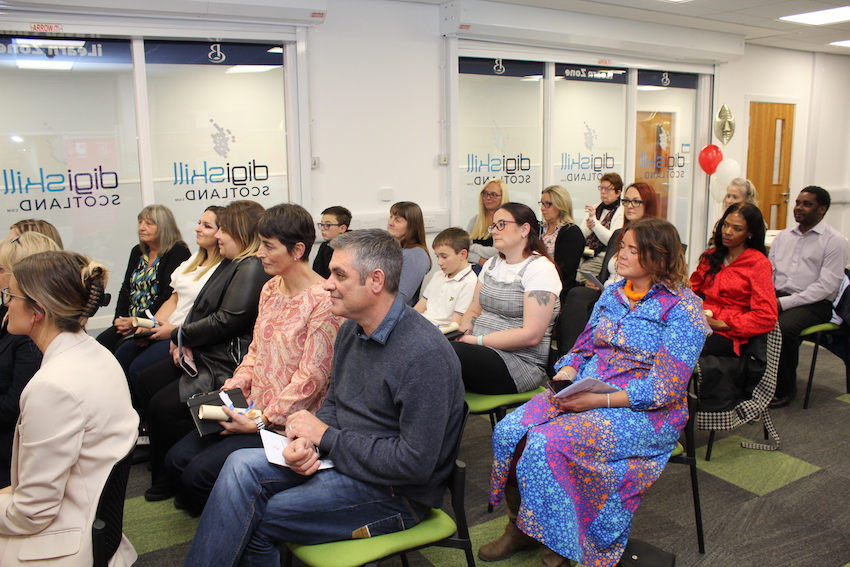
(785, 195)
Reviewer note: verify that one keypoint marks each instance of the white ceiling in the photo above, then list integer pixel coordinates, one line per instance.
(756, 20)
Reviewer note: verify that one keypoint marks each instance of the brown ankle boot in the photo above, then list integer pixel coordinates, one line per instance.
(513, 539)
(552, 559)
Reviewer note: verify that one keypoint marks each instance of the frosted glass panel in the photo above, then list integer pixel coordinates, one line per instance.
(217, 125)
(68, 148)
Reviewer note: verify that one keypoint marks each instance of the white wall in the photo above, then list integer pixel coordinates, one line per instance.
(818, 85)
(375, 102)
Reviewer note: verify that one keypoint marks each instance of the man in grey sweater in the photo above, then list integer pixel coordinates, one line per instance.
(389, 424)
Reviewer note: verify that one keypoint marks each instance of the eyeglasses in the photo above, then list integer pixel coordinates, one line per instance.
(325, 225)
(631, 202)
(491, 195)
(499, 225)
(545, 204)
(603, 188)
(6, 295)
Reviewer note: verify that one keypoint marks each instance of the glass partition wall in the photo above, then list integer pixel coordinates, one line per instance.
(71, 150)
(600, 119)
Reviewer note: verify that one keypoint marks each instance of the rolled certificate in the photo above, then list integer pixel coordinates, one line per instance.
(708, 313)
(449, 328)
(142, 323)
(216, 413)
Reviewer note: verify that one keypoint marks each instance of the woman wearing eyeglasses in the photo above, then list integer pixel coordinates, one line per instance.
(19, 357)
(601, 222)
(493, 196)
(408, 227)
(76, 419)
(639, 202)
(508, 327)
(563, 238)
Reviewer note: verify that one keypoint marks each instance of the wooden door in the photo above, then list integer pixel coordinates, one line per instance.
(769, 159)
(653, 149)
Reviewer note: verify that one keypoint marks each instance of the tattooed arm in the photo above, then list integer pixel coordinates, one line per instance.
(537, 312)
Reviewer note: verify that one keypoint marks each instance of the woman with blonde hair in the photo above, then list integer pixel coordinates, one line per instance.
(39, 226)
(76, 418)
(492, 196)
(186, 281)
(147, 282)
(215, 336)
(563, 238)
(19, 357)
(574, 469)
(407, 225)
(740, 190)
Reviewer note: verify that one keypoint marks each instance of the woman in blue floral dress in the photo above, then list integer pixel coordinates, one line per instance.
(574, 470)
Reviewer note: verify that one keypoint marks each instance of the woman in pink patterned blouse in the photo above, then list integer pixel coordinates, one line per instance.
(288, 364)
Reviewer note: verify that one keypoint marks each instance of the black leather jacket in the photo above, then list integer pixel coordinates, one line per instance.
(219, 327)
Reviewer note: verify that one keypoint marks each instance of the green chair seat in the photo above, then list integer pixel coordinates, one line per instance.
(819, 328)
(678, 450)
(496, 405)
(814, 334)
(437, 525)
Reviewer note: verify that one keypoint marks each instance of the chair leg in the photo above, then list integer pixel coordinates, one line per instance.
(404, 562)
(697, 507)
(710, 445)
(500, 412)
(812, 371)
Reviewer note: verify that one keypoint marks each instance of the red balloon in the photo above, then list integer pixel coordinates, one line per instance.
(709, 158)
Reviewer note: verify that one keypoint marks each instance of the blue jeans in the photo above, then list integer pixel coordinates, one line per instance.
(195, 462)
(255, 505)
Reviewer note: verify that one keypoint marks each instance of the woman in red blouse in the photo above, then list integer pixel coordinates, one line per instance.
(735, 281)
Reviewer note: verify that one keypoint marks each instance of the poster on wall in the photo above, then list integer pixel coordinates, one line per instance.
(217, 125)
(68, 145)
(500, 129)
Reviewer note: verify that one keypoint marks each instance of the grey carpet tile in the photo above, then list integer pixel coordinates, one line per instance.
(805, 523)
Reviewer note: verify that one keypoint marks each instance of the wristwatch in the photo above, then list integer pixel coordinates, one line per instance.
(261, 424)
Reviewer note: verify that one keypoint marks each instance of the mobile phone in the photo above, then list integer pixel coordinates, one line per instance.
(558, 385)
(138, 336)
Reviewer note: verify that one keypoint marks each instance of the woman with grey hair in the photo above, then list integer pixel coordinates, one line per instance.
(740, 190)
(147, 282)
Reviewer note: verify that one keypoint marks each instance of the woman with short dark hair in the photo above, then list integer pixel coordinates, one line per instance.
(288, 365)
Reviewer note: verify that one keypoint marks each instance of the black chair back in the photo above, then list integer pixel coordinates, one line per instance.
(109, 521)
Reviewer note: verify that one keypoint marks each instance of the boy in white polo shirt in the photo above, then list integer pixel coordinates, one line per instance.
(450, 290)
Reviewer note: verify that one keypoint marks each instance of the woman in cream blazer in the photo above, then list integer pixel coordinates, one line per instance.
(76, 418)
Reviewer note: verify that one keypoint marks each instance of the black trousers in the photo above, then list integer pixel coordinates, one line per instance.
(484, 371)
(791, 322)
(167, 417)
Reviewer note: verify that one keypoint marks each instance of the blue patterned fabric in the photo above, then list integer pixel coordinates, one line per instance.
(583, 475)
(143, 286)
